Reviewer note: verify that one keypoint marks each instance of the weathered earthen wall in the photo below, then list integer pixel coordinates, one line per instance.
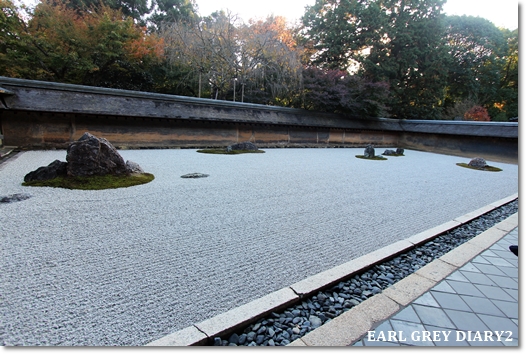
(36, 114)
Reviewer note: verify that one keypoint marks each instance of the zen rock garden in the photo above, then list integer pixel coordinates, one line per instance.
(94, 163)
(91, 163)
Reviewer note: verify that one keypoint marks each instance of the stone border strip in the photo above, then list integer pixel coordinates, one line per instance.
(385, 304)
(365, 316)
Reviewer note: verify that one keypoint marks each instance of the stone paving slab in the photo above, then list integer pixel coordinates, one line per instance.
(466, 308)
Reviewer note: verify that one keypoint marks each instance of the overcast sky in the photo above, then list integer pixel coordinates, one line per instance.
(503, 13)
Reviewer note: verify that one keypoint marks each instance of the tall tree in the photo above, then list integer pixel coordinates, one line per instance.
(335, 30)
(256, 62)
(132, 8)
(208, 48)
(270, 64)
(396, 41)
(506, 103)
(173, 10)
(409, 54)
(478, 49)
(15, 59)
(99, 47)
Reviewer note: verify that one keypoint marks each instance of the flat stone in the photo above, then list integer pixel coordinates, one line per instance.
(243, 315)
(436, 270)
(408, 289)
(462, 254)
(185, 337)
(17, 197)
(487, 238)
(195, 175)
(425, 236)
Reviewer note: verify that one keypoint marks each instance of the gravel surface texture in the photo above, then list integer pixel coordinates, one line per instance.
(282, 328)
(128, 266)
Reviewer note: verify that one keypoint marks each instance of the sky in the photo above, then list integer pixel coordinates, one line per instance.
(503, 13)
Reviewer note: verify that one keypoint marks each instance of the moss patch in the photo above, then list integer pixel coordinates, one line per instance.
(487, 168)
(379, 158)
(233, 152)
(94, 182)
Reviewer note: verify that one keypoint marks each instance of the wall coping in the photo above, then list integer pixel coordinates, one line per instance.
(32, 95)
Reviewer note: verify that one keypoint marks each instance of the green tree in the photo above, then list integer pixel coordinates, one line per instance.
(506, 103)
(99, 47)
(337, 30)
(477, 48)
(136, 9)
(408, 53)
(173, 10)
(395, 41)
(15, 59)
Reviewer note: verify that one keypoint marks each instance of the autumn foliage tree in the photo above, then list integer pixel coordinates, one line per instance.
(101, 47)
(227, 59)
(477, 113)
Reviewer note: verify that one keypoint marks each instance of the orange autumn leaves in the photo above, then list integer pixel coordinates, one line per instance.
(68, 45)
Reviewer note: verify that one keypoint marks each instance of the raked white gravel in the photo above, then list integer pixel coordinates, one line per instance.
(128, 266)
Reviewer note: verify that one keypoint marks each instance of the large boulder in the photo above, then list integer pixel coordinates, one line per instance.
(53, 170)
(91, 156)
(247, 145)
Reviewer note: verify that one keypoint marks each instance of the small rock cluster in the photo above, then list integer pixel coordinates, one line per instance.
(369, 153)
(398, 152)
(282, 328)
(88, 156)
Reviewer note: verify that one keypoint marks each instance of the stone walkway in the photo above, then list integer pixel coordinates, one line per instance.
(474, 305)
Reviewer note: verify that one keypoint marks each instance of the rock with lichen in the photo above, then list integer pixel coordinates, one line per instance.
(478, 162)
(92, 156)
(369, 152)
(247, 145)
(53, 170)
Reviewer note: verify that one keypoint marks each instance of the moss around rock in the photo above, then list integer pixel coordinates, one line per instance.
(92, 164)
(232, 152)
(485, 168)
(377, 157)
(94, 182)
